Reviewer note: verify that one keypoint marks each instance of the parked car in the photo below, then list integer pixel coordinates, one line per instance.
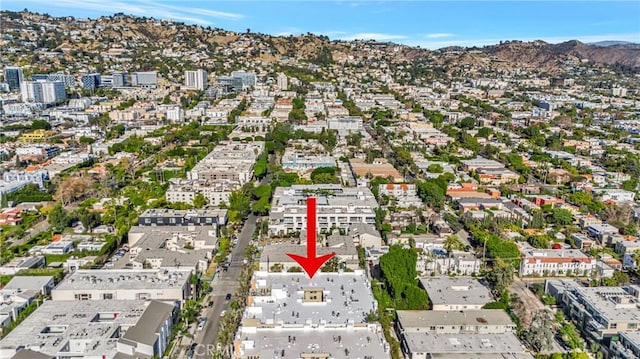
(210, 304)
(223, 313)
(228, 297)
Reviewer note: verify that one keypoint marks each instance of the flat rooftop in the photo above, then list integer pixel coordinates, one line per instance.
(456, 290)
(341, 344)
(613, 303)
(428, 318)
(91, 328)
(277, 300)
(491, 344)
(125, 279)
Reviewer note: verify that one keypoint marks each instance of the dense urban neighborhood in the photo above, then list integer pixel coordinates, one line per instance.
(478, 202)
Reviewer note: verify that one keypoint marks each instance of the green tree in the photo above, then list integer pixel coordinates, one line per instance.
(58, 218)
(467, 123)
(239, 205)
(434, 168)
(500, 276)
(398, 268)
(539, 334)
(89, 220)
(562, 216)
(199, 200)
(40, 125)
(432, 194)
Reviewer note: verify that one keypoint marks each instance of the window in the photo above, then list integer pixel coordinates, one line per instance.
(613, 326)
(107, 296)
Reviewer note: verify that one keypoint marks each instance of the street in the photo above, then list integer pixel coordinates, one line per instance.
(223, 283)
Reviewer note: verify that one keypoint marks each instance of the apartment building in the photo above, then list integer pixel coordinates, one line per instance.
(403, 194)
(486, 333)
(104, 329)
(294, 317)
(195, 79)
(157, 247)
(21, 291)
(216, 192)
(626, 347)
(299, 161)
(598, 312)
(554, 262)
(455, 293)
(191, 217)
(228, 161)
(167, 284)
(37, 177)
(336, 206)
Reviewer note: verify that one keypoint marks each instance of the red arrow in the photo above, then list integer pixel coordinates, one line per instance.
(311, 263)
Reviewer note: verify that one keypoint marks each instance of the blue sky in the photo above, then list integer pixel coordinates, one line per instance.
(429, 24)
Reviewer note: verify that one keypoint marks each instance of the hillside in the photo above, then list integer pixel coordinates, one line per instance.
(145, 40)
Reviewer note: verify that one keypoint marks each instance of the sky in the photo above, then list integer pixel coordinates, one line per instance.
(424, 23)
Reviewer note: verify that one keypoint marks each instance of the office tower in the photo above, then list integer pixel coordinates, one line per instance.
(195, 79)
(119, 79)
(13, 76)
(248, 78)
(230, 83)
(42, 91)
(145, 79)
(69, 80)
(282, 82)
(91, 81)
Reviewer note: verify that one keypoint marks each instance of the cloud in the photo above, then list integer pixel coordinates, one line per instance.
(372, 36)
(289, 31)
(438, 35)
(139, 8)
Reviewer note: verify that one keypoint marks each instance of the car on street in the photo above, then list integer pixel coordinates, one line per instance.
(228, 297)
(210, 304)
(191, 351)
(202, 323)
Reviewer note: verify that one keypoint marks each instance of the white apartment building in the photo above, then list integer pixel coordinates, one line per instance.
(282, 82)
(554, 262)
(615, 195)
(166, 284)
(336, 206)
(228, 161)
(196, 79)
(38, 177)
(404, 194)
(175, 114)
(455, 293)
(295, 317)
(47, 92)
(216, 192)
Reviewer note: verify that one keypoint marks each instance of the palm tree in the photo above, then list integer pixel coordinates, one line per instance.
(450, 244)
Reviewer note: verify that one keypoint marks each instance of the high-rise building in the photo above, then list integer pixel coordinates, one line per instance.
(145, 79)
(13, 76)
(229, 83)
(195, 79)
(282, 82)
(47, 92)
(119, 79)
(69, 80)
(91, 81)
(248, 78)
